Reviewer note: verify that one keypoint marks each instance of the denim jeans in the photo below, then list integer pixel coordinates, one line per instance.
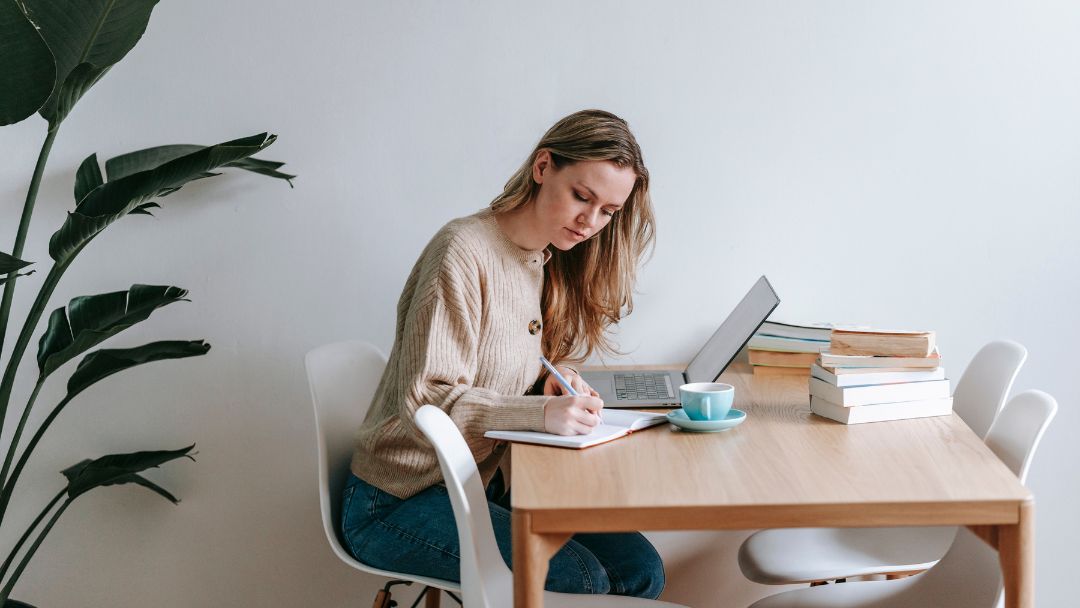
(418, 536)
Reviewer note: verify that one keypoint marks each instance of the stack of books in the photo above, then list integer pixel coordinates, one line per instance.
(785, 348)
(873, 375)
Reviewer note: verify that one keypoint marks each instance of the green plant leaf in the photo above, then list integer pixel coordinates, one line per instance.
(16, 604)
(103, 363)
(10, 263)
(90, 320)
(142, 160)
(115, 198)
(94, 33)
(74, 87)
(27, 71)
(117, 469)
(87, 177)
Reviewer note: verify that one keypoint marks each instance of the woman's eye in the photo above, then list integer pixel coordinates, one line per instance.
(580, 198)
(609, 213)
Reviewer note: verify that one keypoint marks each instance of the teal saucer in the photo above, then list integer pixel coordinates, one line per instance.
(679, 418)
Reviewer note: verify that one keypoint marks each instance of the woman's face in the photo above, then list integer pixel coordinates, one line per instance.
(578, 200)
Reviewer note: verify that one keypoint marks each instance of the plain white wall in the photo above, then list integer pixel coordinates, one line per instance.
(907, 164)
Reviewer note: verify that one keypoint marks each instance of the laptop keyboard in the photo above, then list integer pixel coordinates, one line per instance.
(642, 386)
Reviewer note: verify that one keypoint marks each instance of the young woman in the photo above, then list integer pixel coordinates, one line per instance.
(544, 270)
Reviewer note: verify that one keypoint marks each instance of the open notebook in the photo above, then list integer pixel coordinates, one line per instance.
(617, 423)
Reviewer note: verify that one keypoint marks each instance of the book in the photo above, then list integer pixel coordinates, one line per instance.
(881, 412)
(884, 376)
(830, 359)
(879, 393)
(768, 370)
(787, 345)
(617, 423)
(812, 331)
(779, 359)
(888, 343)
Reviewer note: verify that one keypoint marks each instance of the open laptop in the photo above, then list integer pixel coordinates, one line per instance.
(649, 388)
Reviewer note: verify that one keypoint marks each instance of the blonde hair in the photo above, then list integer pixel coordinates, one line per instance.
(589, 287)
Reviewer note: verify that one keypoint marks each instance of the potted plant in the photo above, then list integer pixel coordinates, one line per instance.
(53, 52)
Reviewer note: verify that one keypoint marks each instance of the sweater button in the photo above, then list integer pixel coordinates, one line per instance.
(535, 326)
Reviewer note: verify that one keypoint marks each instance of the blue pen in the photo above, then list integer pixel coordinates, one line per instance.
(562, 381)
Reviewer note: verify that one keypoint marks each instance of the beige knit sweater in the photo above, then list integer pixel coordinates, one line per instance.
(464, 342)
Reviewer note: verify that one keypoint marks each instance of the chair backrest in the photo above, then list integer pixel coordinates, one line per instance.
(485, 580)
(986, 382)
(969, 576)
(343, 377)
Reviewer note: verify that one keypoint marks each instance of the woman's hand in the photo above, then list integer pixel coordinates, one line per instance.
(570, 415)
(553, 387)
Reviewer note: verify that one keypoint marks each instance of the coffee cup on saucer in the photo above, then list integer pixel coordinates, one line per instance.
(707, 400)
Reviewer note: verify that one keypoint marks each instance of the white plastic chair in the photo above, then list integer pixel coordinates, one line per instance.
(804, 555)
(343, 377)
(486, 582)
(969, 576)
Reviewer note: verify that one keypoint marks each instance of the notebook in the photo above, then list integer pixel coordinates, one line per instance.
(661, 388)
(617, 423)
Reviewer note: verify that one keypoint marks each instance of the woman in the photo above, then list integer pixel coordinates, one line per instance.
(543, 271)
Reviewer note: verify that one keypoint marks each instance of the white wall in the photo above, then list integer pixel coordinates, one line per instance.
(903, 164)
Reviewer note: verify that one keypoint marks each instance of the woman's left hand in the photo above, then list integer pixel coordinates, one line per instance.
(552, 386)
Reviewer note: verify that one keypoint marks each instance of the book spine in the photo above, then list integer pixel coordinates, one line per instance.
(880, 393)
(881, 412)
(870, 379)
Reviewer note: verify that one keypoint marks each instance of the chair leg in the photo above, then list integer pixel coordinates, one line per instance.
(432, 599)
(383, 599)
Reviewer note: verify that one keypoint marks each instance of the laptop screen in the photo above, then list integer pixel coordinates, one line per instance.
(733, 333)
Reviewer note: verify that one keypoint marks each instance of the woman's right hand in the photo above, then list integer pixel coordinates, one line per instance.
(572, 415)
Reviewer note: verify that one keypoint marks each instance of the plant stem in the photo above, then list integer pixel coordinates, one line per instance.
(18, 431)
(26, 535)
(24, 226)
(32, 319)
(9, 485)
(30, 553)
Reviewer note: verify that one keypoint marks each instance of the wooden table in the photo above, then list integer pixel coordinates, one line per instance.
(783, 467)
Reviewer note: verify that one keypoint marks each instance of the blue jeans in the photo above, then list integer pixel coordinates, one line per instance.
(418, 536)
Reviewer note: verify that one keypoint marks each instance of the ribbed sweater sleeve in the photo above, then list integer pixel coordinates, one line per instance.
(467, 340)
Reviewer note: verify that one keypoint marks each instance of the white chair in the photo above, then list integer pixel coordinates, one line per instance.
(969, 576)
(343, 377)
(486, 582)
(808, 555)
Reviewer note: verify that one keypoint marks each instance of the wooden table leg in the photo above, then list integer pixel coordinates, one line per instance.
(531, 553)
(1016, 550)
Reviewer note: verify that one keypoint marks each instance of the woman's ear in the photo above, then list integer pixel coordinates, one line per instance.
(540, 165)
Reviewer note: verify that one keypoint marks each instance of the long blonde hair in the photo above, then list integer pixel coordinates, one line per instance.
(591, 286)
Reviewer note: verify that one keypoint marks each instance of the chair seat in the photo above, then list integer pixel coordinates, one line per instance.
(904, 593)
(572, 600)
(803, 555)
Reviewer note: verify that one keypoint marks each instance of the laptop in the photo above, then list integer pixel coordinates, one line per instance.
(654, 388)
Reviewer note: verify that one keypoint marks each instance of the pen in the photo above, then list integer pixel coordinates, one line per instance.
(562, 381)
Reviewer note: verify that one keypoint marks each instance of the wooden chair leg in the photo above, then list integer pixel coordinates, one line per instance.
(431, 600)
(382, 599)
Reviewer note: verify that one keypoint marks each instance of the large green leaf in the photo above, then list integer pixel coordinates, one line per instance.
(90, 320)
(10, 603)
(115, 198)
(27, 70)
(142, 160)
(117, 469)
(91, 33)
(106, 362)
(74, 87)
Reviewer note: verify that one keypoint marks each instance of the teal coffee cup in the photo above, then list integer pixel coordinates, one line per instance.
(707, 400)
